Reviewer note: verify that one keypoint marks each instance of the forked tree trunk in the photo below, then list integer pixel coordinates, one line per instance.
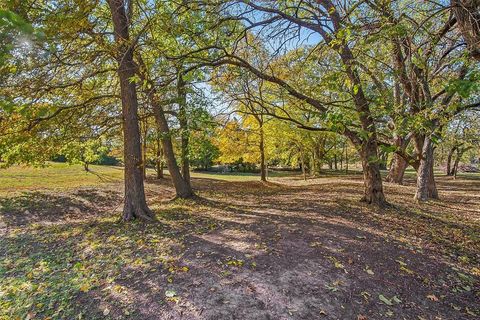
(135, 205)
(426, 187)
(398, 165)
(373, 190)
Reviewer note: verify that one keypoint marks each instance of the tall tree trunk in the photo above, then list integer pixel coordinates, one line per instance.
(373, 187)
(398, 165)
(183, 190)
(185, 134)
(426, 187)
(263, 174)
(135, 205)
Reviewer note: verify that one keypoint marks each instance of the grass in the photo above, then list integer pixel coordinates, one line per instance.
(56, 176)
(62, 176)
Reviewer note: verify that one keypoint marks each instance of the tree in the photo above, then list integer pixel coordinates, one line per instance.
(84, 152)
(467, 16)
(135, 205)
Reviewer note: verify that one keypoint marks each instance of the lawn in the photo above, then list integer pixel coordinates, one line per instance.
(286, 249)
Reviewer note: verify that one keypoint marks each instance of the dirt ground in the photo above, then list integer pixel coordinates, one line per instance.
(286, 249)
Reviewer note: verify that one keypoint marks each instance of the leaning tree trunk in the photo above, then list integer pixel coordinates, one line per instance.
(135, 205)
(426, 187)
(183, 190)
(373, 190)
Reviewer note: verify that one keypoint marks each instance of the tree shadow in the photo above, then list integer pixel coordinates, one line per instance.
(47, 207)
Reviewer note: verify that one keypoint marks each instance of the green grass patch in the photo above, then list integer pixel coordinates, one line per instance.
(56, 176)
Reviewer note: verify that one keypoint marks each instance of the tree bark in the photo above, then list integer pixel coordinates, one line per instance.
(373, 187)
(455, 165)
(468, 18)
(144, 149)
(159, 160)
(135, 205)
(182, 189)
(426, 187)
(398, 165)
(346, 158)
(449, 171)
(185, 135)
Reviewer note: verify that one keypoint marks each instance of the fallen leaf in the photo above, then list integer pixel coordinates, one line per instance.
(106, 311)
(432, 297)
(170, 293)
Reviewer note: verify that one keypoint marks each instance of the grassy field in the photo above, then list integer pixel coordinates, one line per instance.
(286, 249)
(64, 176)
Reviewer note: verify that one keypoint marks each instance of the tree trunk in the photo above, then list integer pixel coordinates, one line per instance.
(263, 174)
(159, 161)
(85, 166)
(455, 165)
(346, 158)
(449, 171)
(398, 165)
(185, 135)
(373, 190)
(302, 162)
(144, 149)
(183, 190)
(135, 205)
(426, 187)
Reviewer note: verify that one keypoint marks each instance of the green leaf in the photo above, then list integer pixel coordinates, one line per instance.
(385, 300)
